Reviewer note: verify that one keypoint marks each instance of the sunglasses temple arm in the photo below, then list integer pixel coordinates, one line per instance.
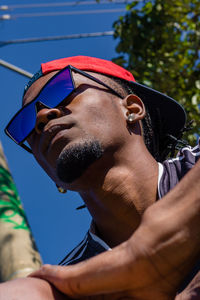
(26, 148)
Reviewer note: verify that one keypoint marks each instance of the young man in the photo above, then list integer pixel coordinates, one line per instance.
(94, 130)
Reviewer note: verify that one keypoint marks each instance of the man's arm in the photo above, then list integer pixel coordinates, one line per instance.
(153, 262)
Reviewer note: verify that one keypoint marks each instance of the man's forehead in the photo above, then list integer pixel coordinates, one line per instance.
(36, 87)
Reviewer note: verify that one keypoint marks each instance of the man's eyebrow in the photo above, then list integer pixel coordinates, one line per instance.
(85, 86)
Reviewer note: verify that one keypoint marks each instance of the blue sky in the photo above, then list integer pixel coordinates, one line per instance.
(56, 225)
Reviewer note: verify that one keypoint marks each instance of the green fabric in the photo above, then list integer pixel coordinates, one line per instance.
(10, 204)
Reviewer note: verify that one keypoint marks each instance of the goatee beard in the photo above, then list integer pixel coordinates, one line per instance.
(73, 161)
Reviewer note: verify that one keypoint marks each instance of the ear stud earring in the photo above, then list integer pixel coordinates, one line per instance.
(130, 118)
(61, 190)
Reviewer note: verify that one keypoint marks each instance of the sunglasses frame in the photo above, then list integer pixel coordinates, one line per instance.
(71, 68)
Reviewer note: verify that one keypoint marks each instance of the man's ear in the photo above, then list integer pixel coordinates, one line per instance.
(135, 109)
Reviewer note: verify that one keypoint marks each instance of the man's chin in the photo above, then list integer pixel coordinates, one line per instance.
(74, 160)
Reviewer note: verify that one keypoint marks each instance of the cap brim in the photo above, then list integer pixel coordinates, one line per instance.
(173, 115)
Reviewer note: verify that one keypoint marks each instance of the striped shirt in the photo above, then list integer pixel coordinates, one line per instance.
(90, 246)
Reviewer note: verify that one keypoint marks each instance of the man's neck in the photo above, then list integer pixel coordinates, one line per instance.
(127, 190)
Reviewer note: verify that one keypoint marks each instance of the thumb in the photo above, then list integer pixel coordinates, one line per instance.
(59, 276)
(108, 272)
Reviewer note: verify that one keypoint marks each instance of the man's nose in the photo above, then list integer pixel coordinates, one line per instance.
(44, 115)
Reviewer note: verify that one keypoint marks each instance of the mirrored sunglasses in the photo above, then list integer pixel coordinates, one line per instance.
(58, 88)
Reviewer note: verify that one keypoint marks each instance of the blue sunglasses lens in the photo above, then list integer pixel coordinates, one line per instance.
(22, 124)
(53, 93)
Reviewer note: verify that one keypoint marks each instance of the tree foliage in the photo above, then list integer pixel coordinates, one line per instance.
(160, 44)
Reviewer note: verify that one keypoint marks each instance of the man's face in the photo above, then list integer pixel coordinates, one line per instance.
(71, 138)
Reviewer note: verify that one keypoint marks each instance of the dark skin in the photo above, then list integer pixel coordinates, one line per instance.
(93, 112)
(133, 270)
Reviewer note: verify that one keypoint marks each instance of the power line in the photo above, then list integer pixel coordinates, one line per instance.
(60, 13)
(61, 4)
(15, 68)
(56, 38)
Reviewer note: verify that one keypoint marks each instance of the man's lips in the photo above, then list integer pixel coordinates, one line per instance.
(49, 134)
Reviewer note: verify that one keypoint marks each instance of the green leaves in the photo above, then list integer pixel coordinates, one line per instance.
(159, 43)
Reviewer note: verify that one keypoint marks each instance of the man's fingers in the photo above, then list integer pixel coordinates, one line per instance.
(59, 276)
(100, 275)
(54, 274)
(46, 270)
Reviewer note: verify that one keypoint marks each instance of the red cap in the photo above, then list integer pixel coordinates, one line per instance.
(87, 63)
(172, 113)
